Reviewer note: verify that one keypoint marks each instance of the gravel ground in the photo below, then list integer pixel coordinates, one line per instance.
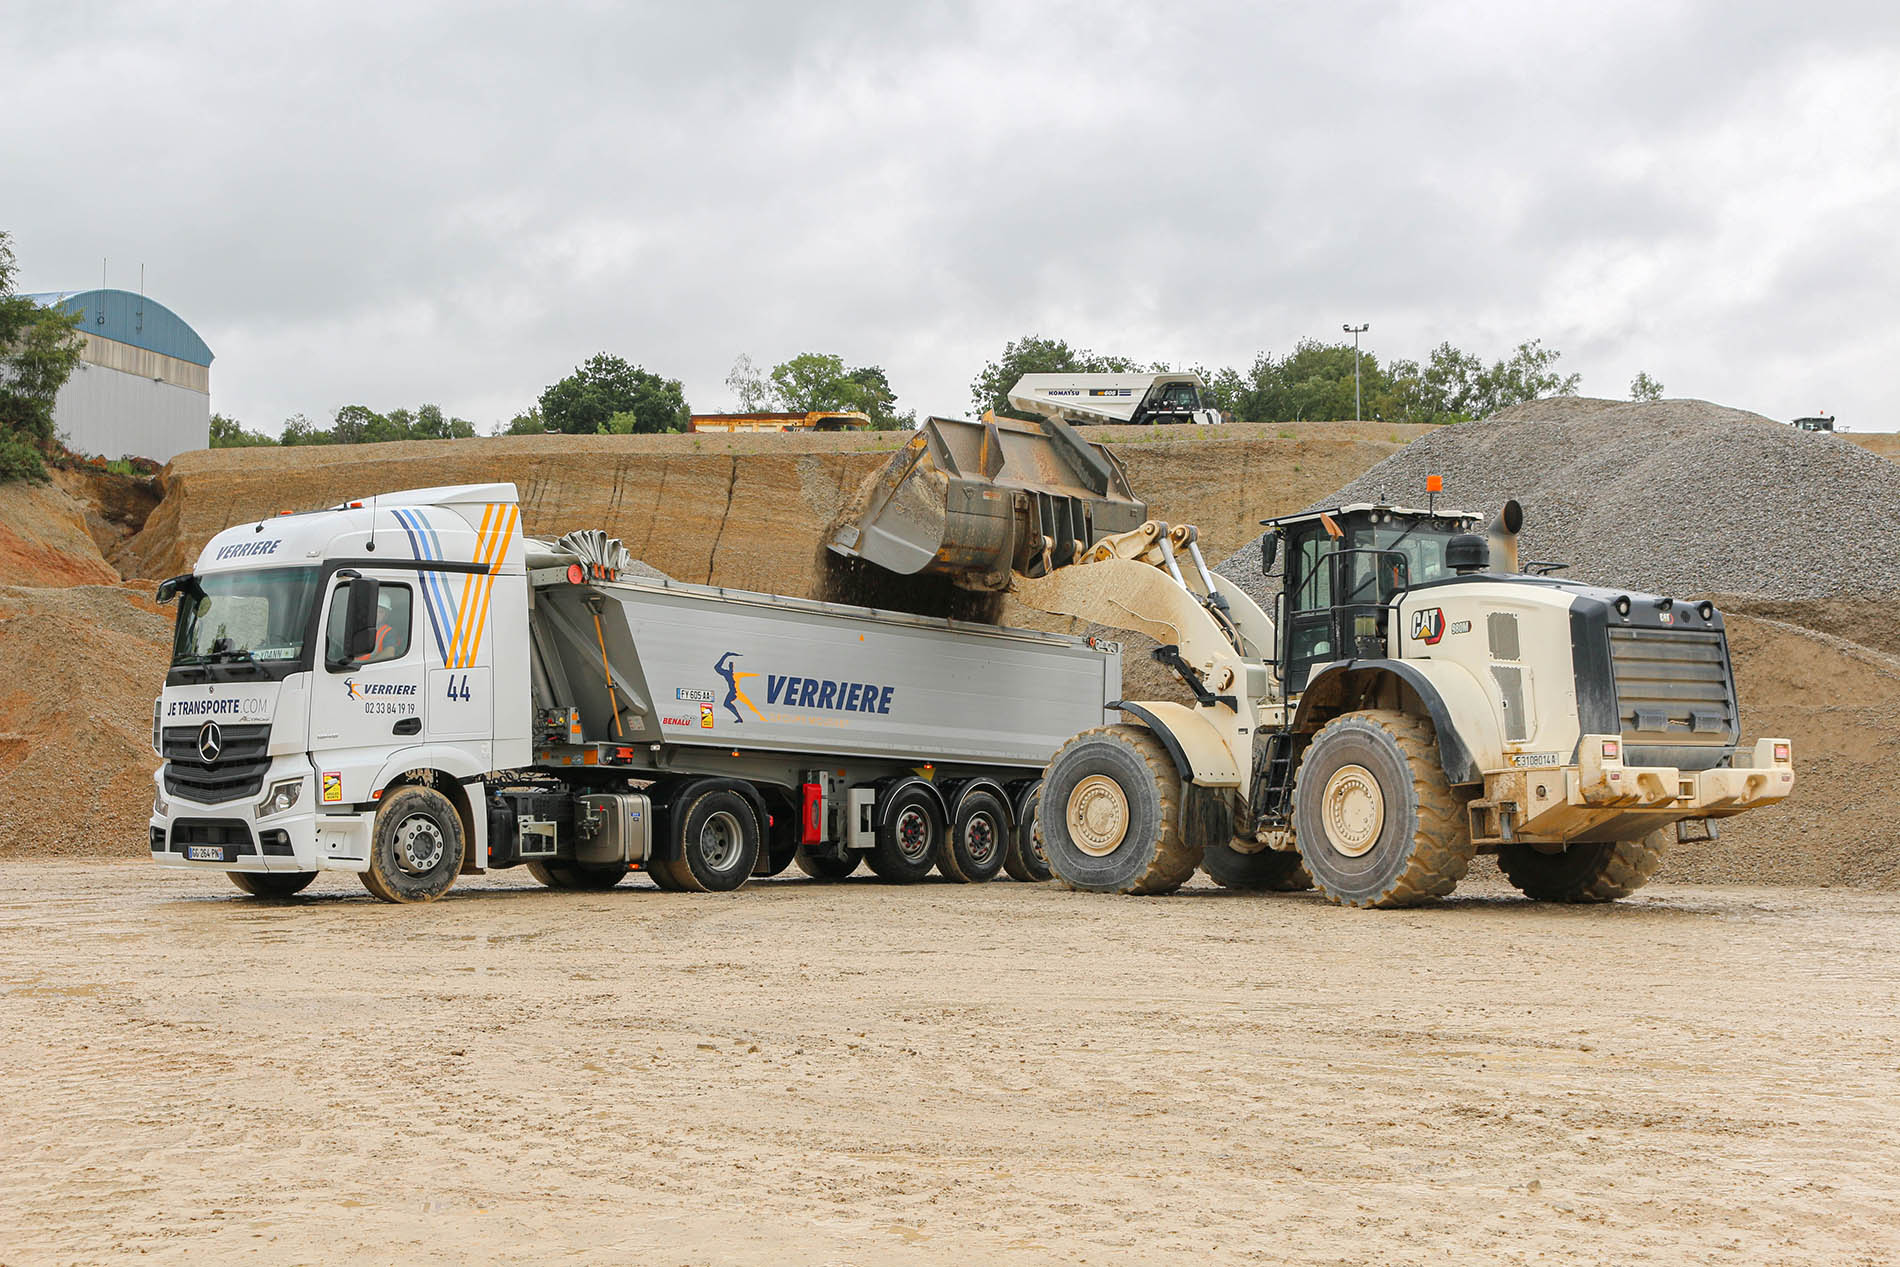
(1678, 497)
(942, 1074)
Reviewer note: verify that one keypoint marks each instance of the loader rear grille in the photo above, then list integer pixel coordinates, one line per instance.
(1674, 691)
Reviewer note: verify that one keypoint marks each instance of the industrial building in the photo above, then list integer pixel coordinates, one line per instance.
(143, 384)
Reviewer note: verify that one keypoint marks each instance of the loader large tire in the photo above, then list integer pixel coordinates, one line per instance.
(1584, 873)
(1373, 814)
(1269, 871)
(1111, 814)
(569, 875)
(415, 846)
(272, 884)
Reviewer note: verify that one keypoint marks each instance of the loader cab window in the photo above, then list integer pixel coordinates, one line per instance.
(392, 624)
(1309, 601)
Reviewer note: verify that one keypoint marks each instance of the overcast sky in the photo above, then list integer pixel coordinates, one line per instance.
(395, 203)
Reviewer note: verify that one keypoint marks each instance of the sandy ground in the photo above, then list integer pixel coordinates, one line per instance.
(857, 1074)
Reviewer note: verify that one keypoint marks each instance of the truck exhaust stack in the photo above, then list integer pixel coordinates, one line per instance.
(978, 501)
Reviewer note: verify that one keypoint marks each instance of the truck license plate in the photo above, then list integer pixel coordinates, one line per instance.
(205, 853)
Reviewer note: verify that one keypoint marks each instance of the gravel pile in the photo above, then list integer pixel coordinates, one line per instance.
(1677, 497)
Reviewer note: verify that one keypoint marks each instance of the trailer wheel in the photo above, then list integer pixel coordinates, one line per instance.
(1584, 873)
(719, 843)
(1111, 814)
(974, 848)
(1373, 814)
(272, 883)
(1269, 871)
(573, 876)
(907, 839)
(415, 848)
(821, 866)
(1026, 860)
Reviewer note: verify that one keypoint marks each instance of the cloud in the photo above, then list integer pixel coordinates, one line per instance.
(395, 203)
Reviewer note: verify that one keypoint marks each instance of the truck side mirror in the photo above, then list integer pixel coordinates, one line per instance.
(359, 621)
(169, 587)
(1269, 551)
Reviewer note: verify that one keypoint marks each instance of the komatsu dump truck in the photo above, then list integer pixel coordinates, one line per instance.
(1091, 399)
(411, 689)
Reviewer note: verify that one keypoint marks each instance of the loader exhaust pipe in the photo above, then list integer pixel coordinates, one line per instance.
(1503, 531)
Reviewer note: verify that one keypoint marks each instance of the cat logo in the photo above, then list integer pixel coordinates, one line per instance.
(706, 716)
(1428, 626)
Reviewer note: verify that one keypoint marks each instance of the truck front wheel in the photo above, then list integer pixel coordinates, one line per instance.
(1111, 814)
(718, 841)
(415, 847)
(272, 883)
(1584, 873)
(1373, 814)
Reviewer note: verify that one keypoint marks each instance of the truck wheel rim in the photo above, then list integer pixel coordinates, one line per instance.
(979, 838)
(1352, 810)
(419, 844)
(1098, 815)
(913, 834)
(719, 840)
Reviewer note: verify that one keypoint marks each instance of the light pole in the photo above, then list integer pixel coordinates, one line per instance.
(1358, 413)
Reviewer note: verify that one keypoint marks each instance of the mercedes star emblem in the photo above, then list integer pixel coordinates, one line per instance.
(210, 741)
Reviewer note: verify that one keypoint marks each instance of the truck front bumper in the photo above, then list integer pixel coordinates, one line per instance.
(245, 836)
(1601, 799)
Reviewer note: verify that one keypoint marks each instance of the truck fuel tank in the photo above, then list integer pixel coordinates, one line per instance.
(612, 827)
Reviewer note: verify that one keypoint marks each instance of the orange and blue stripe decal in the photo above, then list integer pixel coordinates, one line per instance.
(456, 621)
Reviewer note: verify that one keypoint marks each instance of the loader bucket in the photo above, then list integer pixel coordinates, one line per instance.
(978, 501)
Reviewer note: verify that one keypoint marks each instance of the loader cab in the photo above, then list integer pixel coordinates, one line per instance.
(1344, 567)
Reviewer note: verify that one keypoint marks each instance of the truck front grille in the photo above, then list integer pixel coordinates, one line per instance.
(237, 773)
(1674, 694)
(229, 833)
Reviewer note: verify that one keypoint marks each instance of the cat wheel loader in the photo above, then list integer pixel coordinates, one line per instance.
(1415, 699)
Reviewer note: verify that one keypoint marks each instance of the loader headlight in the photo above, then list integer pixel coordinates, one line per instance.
(1623, 605)
(281, 798)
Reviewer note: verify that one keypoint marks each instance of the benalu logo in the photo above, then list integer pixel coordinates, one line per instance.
(210, 741)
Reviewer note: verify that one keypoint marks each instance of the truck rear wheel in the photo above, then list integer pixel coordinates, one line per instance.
(569, 875)
(1111, 814)
(825, 867)
(978, 840)
(415, 849)
(907, 839)
(1373, 814)
(718, 840)
(1026, 860)
(1584, 873)
(1269, 871)
(272, 883)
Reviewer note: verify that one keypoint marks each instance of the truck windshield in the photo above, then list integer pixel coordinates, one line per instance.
(257, 618)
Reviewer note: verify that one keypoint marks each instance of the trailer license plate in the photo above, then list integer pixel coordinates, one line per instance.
(205, 853)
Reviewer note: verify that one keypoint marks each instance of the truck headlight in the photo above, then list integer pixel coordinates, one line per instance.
(158, 734)
(281, 798)
(161, 808)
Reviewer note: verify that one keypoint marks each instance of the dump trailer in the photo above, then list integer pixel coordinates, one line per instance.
(1097, 399)
(1419, 699)
(411, 689)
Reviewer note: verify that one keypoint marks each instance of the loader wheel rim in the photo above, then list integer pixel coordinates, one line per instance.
(419, 844)
(913, 834)
(1352, 810)
(719, 840)
(1098, 815)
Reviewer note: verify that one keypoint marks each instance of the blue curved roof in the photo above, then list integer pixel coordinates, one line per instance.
(130, 318)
